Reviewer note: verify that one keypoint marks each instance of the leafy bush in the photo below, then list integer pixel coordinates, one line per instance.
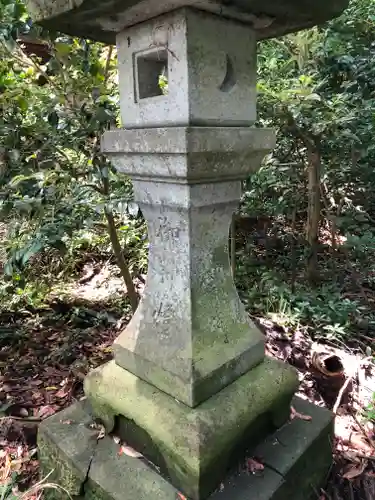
(55, 186)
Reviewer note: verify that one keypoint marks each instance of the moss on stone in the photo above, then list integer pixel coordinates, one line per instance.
(67, 445)
(223, 341)
(195, 446)
(296, 458)
(59, 470)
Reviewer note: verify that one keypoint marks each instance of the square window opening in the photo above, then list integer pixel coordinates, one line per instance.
(152, 73)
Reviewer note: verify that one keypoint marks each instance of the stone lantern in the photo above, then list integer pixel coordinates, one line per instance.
(190, 387)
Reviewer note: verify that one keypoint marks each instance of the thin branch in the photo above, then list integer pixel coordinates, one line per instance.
(364, 432)
(108, 63)
(341, 393)
(21, 419)
(95, 187)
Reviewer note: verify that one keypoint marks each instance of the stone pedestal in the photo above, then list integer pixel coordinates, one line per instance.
(193, 448)
(190, 387)
(296, 459)
(191, 335)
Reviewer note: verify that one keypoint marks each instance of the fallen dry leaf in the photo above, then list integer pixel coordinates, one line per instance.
(354, 470)
(130, 452)
(98, 427)
(253, 465)
(64, 391)
(358, 442)
(35, 383)
(4, 471)
(45, 411)
(294, 414)
(351, 456)
(16, 465)
(101, 434)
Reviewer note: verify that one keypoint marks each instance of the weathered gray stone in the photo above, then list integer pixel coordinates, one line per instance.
(243, 485)
(188, 154)
(291, 456)
(191, 335)
(193, 447)
(67, 446)
(301, 452)
(297, 460)
(119, 477)
(92, 469)
(190, 338)
(210, 63)
(102, 19)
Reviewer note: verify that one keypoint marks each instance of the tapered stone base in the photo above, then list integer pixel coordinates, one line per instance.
(193, 447)
(191, 336)
(296, 458)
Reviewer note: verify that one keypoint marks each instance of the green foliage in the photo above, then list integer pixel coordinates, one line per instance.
(163, 84)
(55, 185)
(321, 81)
(316, 89)
(6, 492)
(322, 311)
(369, 412)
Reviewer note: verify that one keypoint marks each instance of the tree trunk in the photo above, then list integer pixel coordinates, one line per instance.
(117, 250)
(293, 249)
(313, 214)
(232, 240)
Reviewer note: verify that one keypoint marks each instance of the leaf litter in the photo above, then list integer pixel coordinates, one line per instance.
(129, 452)
(342, 380)
(39, 376)
(43, 374)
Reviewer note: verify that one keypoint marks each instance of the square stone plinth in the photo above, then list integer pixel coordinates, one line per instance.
(297, 458)
(193, 447)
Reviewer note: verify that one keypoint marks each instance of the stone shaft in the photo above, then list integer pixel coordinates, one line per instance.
(191, 335)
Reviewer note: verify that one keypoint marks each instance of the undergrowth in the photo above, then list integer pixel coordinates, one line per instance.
(53, 271)
(338, 308)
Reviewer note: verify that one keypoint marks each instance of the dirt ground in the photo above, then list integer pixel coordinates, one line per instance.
(45, 354)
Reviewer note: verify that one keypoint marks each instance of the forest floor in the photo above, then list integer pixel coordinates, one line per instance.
(45, 354)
